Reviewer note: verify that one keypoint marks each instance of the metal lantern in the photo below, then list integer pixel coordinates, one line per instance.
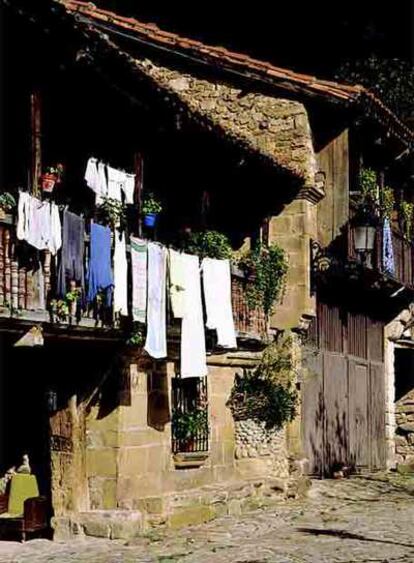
(364, 238)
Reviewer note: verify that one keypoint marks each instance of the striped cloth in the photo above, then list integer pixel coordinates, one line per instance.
(139, 279)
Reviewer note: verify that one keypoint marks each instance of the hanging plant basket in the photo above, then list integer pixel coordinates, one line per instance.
(48, 182)
(150, 219)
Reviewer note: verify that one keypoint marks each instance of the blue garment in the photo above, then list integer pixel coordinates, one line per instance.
(100, 277)
(387, 249)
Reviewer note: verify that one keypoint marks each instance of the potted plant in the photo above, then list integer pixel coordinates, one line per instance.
(7, 204)
(187, 425)
(52, 176)
(209, 244)
(112, 212)
(150, 209)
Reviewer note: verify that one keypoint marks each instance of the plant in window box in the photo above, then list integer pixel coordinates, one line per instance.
(151, 208)
(7, 204)
(188, 425)
(52, 175)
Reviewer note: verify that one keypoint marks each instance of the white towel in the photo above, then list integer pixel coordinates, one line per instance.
(129, 188)
(23, 210)
(193, 344)
(139, 279)
(116, 180)
(91, 175)
(55, 241)
(120, 275)
(156, 342)
(217, 296)
(176, 269)
(102, 184)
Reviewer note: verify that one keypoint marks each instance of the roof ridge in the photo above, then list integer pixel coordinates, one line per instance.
(340, 91)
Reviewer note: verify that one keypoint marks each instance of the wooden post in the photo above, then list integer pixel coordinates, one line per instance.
(139, 187)
(36, 147)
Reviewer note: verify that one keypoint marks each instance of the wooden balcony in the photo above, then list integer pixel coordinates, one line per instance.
(26, 291)
(403, 256)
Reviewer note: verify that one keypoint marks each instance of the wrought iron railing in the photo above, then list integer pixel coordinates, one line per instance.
(189, 427)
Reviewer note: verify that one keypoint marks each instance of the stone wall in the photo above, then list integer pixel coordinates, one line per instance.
(129, 462)
(404, 438)
(255, 442)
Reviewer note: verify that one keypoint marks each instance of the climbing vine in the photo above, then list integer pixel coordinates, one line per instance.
(267, 267)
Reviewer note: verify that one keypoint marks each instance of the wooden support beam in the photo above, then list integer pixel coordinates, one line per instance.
(36, 142)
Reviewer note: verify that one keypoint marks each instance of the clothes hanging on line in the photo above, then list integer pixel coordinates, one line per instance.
(100, 276)
(139, 279)
(193, 345)
(176, 282)
(38, 223)
(96, 180)
(120, 275)
(107, 181)
(71, 265)
(387, 248)
(217, 297)
(156, 341)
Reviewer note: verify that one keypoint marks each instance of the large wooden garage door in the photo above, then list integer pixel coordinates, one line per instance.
(343, 410)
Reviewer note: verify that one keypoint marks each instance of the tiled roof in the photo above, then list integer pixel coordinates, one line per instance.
(222, 58)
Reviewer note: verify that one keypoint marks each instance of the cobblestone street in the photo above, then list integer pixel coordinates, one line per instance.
(352, 520)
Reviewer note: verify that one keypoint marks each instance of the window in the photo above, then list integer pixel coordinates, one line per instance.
(189, 415)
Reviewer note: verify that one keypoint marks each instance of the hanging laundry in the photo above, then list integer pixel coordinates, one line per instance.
(102, 183)
(116, 181)
(120, 275)
(217, 296)
(193, 345)
(95, 178)
(128, 188)
(99, 271)
(176, 285)
(39, 223)
(23, 212)
(139, 279)
(71, 265)
(387, 248)
(91, 175)
(156, 341)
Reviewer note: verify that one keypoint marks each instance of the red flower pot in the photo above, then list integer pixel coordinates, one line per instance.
(48, 182)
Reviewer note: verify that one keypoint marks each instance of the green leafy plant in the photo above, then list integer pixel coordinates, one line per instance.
(137, 336)
(387, 203)
(7, 202)
(188, 424)
(61, 308)
(209, 244)
(112, 212)
(267, 393)
(406, 215)
(267, 267)
(151, 205)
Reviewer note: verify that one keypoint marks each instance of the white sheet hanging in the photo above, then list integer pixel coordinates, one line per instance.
(156, 341)
(120, 275)
(177, 280)
(217, 296)
(139, 279)
(193, 345)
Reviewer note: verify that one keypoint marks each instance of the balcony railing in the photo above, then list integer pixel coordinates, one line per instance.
(403, 251)
(26, 289)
